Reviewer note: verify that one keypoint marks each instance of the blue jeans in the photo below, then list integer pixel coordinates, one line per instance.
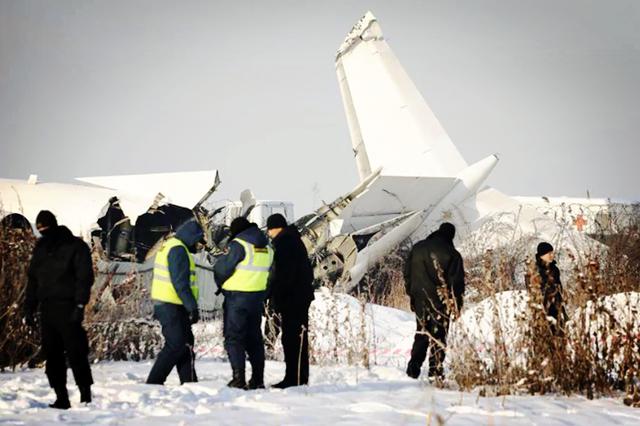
(242, 333)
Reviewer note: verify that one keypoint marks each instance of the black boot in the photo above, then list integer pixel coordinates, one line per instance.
(62, 398)
(238, 380)
(413, 370)
(284, 383)
(85, 393)
(257, 378)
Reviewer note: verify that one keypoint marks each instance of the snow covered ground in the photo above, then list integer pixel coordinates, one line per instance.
(338, 393)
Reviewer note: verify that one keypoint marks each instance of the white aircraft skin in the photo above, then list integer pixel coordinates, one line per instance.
(412, 177)
(78, 206)
(423, 176)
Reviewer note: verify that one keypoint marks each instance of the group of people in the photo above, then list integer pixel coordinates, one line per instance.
(252, 271)
(435, 283)
(257, 271)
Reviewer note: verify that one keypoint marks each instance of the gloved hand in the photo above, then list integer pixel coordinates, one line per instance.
(194, 316)
(78, 314)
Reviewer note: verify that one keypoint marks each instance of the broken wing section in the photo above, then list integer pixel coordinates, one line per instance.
(181, 188)
(390, 123)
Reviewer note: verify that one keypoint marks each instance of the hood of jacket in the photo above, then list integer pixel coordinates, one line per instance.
(438, 235)
(190, 233)
(254, 235)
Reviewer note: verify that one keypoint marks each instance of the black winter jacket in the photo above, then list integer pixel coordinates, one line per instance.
(421, 274)
(291, 278)
(551, 286)
(61, 270)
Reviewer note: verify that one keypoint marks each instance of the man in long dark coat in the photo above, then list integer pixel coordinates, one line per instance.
(290, 294)
(434, 278)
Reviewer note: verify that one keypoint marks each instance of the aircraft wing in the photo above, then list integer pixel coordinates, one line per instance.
(390, 123)
(76, 206)
(181, 188)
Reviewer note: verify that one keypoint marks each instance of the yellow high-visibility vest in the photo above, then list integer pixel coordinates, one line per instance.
(252, 272)
(162, 288)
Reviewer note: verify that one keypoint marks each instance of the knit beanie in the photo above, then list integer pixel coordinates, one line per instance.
(238, 225)
(544, 248)
(276, 220)
(46, 219)
(448, 230)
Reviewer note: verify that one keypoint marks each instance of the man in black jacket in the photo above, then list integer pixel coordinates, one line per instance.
(60, 277)
(290, 294)
(434, 279)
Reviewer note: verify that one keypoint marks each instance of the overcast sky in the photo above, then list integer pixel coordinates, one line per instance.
(113, 87)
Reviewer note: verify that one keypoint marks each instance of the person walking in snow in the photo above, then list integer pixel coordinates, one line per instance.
(60, 277)
(242, 275)
(290, 294)
(550, 286)
(175, 293)
(434, 280)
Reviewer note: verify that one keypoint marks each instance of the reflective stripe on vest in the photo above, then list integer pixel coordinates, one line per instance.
(252, 272)
(162, 288)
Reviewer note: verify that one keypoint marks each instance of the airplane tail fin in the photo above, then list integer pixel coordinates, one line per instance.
(390, 123)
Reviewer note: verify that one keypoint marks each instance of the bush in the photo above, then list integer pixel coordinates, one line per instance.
(19, 343)
(504, 343)
(117, 318)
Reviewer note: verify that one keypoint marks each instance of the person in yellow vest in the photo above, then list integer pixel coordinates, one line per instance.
(175, 297)
(242, 274)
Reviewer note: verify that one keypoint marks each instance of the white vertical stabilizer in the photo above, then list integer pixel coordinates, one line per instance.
(391, 125)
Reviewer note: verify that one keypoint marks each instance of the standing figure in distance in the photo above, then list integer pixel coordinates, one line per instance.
(290, 294)
(550, 286)
(60, 279)
(175, 293)
(434, 279)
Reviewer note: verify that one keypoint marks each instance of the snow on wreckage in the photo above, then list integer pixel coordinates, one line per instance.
(406, 189)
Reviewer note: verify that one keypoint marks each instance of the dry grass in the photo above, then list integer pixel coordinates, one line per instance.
(19, 343)
(596, 352)
(504, 350)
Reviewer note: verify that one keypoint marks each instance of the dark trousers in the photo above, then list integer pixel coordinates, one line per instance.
(178, 345)
(430, 333)
(295, 343)
(64, 340)
(241, 328)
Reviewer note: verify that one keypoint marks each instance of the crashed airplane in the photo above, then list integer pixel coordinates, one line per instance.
(412, 177)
